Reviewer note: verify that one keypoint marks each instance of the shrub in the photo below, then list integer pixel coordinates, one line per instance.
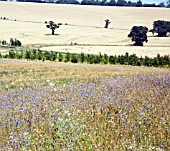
(147, 61)
(81, 57)
(28, 54)
(47, 55)
(138, 63)
(39, 55)
(97, 59)
(121, 59)
(105, 59)
(67, 57)
(113, 59)
(12, 54)
(60, 57)
(74, 58)
(88, 58)
(54, 56)
(133, 59)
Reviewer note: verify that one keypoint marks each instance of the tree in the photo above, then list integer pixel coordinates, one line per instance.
(161, 27)
(168, 4)
(17, 42)
(12, 42)
(107, 22)
(132, 4)
(67, 2)
(121, 3)
(162, 4)
(112, 3)
(139, 3)
(52, 26)
(139, 35)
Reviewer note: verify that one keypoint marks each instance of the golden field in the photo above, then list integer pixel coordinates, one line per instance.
(84, 29)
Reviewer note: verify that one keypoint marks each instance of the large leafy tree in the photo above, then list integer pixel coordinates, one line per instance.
(161, 27)
(138, 34)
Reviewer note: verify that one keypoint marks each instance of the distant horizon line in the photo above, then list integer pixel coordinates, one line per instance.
(82, 0)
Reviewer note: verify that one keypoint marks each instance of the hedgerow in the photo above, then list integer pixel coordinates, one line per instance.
(133, 59)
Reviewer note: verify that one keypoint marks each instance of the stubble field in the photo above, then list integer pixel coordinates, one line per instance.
(84, 28)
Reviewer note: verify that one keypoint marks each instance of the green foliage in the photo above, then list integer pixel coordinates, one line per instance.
(4, 42)
(139, 3)
(112, 3)
(128, 3)
(67, 57)
(47, 55)
(138, 34)
(168, 4)
(88, 58)
(81, 57)
(113, 59)
(28, 54)
(158, 61)
(60, 57)
(161, 27)
(12, 54)
(121, 3)
(133, 59)
(54, 56)
(12, 43)
(40, 55)
(138, 63)
(74, 58)
(97, 59)
(15, 42)
(147, 61)
(105, 59)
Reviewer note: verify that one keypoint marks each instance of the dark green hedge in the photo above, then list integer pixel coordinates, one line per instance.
(158, 61)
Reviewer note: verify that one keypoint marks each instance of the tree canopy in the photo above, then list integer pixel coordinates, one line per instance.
(138, 34)
(52, 26)
(128, 3)
(161, 27)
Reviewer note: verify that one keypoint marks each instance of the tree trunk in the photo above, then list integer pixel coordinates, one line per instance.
(138, 43)
(52, 31)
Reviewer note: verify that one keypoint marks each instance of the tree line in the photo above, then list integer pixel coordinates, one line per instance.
(138, 34)
(139, 3)
(158, 61)
(12, 42)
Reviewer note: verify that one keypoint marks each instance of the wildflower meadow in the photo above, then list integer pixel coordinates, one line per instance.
(61, 106)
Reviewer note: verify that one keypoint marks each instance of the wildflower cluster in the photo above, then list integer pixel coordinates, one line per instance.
(120, 113)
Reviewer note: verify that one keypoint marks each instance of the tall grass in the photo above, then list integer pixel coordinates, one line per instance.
(119, 111)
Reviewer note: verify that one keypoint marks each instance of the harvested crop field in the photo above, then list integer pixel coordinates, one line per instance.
(84, 27)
